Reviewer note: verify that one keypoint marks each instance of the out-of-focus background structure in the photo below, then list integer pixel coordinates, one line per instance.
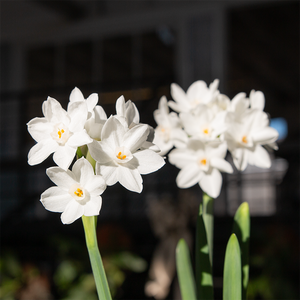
(138, 48)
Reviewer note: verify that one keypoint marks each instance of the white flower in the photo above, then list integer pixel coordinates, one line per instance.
(204, 123)
(257, 100)
(119, 155)
(197, 93)
(77, 96)
(201, 163)
(169, 130)
(59, 131)
(245, 137)
(77, 192)
(127, 113)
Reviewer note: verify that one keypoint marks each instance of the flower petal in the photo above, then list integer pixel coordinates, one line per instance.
(96, 185)
(78, 113)
(211, 183)
(55, 199)
(240, 158)
(76, 95)
(257, 100)
(265, 136)
(63, 156)
(189, 176)
(79, 138)
(72, 212)
(260, 157)
(221, 164)
(181, 157)
(39, 128)
(113, 132)
(92, 207)
(41, 151)
(53, 111)
(148, 161)
(100, 152)
(92, 101)
(135, 137)
(83, 171)
(109, 171)
(63, 179)
(130, 179)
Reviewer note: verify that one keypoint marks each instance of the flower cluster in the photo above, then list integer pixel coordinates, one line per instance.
(120, 147)
(207, 124)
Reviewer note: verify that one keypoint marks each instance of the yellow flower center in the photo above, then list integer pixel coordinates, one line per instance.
(244, 139)
(203, 161)
(78, 192)
(60, 132)
(120, 156)
(205, 130)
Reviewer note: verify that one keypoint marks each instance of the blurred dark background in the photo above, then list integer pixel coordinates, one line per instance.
(138, 48)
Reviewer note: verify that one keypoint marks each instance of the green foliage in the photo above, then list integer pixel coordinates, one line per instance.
(185, 272)
(232, 281)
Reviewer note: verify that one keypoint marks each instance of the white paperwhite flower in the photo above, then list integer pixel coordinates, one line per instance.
(77, 192)
(120, 157)
(201, 163)
(197, 93)
(127, 113)
(169, 130)
(77, 96)
(204, 123)
(59, 132)
(245, 137)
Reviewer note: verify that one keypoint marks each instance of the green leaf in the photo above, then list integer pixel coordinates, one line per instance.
(232, 284)
(184, 271)
(208, 218)
(241, 228)
(204, 279)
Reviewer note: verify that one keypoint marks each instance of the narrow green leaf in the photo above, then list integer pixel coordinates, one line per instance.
(95, 258)
(204, 279)
(232, 281)
(208, 218)
(241, 228)
(185, 272)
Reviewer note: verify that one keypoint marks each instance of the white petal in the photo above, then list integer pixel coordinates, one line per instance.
(257, 100)
(135, 137)
(83, 171)
(150, 146)
(78, 113)
(100, 114)
(76, 95)
(54, 199)
(261, 157)
(63, 156)
(54, 113)
(113, 132)
(148, 161)
(130, 179)
(240, 158)
(178, 94)
(100, 151)
(221, 164)
(41, 151)
(96, 185)
(197, 90)
(120, 106)
(92, 101)
(92, 207)
(79, 138)
(189, 176)
(73, 211)
(63, 179)
(211, 183)
(265, 136)
(39, 128)
(181, 157)
(109, 171)
(131, 113)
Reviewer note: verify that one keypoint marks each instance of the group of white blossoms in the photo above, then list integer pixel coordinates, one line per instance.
(124, 149)
(207, 124)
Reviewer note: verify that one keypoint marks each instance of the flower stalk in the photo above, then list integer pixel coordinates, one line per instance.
(89, 224)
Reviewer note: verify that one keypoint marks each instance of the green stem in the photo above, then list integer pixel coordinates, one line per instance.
(90, 159)
(208, 218)
(95, 257)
